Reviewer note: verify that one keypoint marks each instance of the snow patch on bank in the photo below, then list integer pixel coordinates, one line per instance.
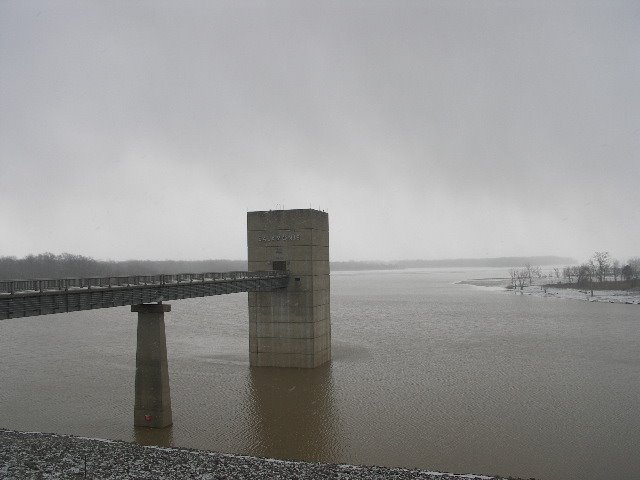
(602, 296)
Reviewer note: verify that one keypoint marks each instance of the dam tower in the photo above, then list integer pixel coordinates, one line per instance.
(290, 327)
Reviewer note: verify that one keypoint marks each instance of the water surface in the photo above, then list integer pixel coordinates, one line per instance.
(425, 374)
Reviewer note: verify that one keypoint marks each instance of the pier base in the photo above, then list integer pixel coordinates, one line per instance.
(153, 399)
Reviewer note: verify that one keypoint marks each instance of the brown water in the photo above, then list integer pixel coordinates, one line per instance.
(424, 374)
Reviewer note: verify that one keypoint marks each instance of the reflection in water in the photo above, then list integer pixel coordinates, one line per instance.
(162, 437)
(292, 413)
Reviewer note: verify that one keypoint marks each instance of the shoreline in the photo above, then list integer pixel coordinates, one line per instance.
(48, 455)
(628, 297)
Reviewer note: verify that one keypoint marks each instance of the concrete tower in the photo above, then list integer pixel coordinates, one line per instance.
(290, 327)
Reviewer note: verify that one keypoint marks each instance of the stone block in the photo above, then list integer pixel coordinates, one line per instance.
(290, 360)
(260, 299)
(303, 283)
(300, 283)
(262, 314)
(320, 267)
(297, 315)
(276, 253)
(276, 314)
(255, 222)
(314, 282)
(301, 267)
(321, 343)
(252, 298)
(286, 345)
(290, 253)
(320, 297)
(253, 359)
(320, 238)
(320, 252)
(285, 330)
(321, 327)
(278, 219)
(152, 308)
(322, 357)
(297, 299)
(321, 312)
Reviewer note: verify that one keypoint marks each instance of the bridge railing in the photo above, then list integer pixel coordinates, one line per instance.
(11, 287)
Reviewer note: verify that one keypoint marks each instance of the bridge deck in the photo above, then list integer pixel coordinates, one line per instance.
(27, 298)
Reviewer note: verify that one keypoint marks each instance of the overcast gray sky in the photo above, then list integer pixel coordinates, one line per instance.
(427, 129)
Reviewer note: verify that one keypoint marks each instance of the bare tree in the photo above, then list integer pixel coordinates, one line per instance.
(627, 272)
(528, 269)
(576, 270)
(568, 273)
(585, 274)
(557, 273)
(513, 273)
(616, 270)
(634, 263)
(601, 262)
(523, 274)
(537, 271)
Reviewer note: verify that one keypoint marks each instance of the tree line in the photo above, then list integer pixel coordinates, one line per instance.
(449, 262)
(68, 265)
(601, 268)
(520, 276)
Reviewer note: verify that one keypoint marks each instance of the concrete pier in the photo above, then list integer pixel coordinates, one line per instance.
(153, 397)
(290, 327)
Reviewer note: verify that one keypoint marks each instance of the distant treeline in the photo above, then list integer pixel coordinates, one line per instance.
(454, 262)
(67, 265)
(601, 269)
(600, 272)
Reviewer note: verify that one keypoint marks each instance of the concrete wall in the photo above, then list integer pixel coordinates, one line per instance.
(290, 327)
(153, 397)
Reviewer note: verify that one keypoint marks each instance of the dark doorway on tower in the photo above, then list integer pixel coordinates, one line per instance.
(280, 265)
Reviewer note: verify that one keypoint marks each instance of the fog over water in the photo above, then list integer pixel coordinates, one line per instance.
(426, 129)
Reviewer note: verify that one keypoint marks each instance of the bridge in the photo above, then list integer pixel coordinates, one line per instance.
(288, 300)
(27, 298)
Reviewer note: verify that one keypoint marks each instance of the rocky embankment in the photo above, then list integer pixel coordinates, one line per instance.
(35, 455)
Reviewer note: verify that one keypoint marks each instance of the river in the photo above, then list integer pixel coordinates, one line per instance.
(425, 374)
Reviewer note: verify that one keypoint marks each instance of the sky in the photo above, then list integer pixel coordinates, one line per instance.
(426, 129)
